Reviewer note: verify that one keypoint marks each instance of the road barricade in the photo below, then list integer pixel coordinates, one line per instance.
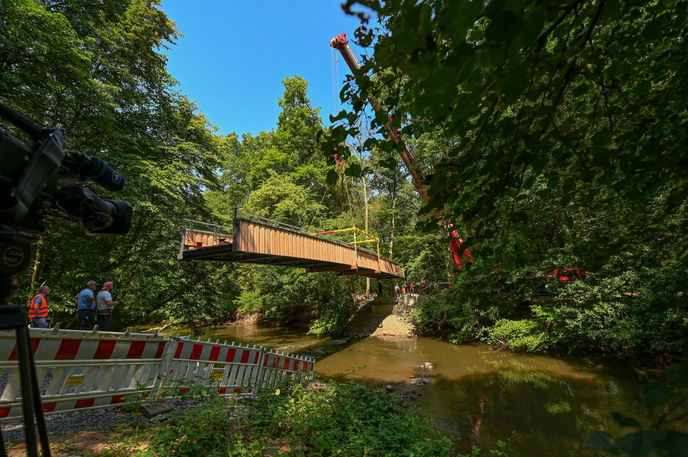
(279, 369)
(231, 368)
(89, 369)
(81, 369)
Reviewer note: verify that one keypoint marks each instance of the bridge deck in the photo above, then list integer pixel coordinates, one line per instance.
(263, 243)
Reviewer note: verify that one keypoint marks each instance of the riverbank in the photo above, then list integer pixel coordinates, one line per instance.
(367, 323)
(90, 432)
(471, 393)
(313, 420)
(477, 393)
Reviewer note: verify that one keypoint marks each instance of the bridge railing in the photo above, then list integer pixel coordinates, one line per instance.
(84, 369)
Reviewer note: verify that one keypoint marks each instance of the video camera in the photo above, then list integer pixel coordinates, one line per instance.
(38, 177)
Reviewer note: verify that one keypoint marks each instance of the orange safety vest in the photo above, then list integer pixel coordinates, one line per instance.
(38, 310)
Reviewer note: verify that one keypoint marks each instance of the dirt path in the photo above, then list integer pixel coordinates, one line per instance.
(79, 444)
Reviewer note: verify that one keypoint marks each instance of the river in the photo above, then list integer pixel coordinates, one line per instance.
(544, 406)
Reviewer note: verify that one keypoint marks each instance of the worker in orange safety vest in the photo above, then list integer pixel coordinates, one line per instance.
(38, 309)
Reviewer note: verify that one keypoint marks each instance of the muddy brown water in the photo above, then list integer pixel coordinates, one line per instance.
(544, 406)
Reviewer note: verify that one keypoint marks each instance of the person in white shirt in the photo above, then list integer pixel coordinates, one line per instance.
(105, 305)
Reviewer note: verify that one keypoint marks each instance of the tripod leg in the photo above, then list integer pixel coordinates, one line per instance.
(3, 451)
(38, 409)
(25, 370)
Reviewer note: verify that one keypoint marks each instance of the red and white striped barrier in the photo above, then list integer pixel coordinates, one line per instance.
(279, 368)
(80, 369)
(84, 369)
(232, 368)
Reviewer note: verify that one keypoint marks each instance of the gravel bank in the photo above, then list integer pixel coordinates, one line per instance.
(103, 419)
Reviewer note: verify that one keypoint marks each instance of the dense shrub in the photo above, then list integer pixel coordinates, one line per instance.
(624, 309)
(346, 420)
(333, 420)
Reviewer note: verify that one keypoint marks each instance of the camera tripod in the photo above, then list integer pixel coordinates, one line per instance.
(38, 177)
(14, 318)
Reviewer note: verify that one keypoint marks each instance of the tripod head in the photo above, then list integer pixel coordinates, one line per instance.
(38, 177)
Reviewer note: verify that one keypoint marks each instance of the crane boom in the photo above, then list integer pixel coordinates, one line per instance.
(341, 43)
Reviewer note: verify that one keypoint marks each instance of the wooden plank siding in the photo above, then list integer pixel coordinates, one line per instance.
(258, 242)
(201, 238)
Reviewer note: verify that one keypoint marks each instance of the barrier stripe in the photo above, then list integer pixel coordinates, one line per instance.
(161, 349)
(196, 352)
(105, 349)
(34, 346)
(68, 349)
(82, 370)
(136, 349)
(84, 403)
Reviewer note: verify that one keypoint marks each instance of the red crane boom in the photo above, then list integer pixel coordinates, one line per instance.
(341, 43)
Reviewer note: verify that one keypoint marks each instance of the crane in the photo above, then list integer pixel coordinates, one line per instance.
(459, 256)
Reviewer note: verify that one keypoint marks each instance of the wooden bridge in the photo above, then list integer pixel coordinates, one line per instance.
(269, 243)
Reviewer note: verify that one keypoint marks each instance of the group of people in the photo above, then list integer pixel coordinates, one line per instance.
(410, 288)
(92, 308)
(407, 288)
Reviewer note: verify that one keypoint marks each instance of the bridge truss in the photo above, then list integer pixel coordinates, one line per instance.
(256, 240)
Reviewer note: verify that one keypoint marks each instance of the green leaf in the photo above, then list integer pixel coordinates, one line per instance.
(331, 177)
(598, 440)
(625, 421)
(503, 27)
(656, 395)
(390, 163)
(353, 169)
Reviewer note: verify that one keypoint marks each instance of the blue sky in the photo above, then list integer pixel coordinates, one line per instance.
(234, 55)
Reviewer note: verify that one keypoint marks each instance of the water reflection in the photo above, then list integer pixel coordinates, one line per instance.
(481, 395)
(477, 394)
(280, 339)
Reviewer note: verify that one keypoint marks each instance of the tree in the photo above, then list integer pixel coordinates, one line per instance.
(99, 74)
(581, 101)
(562, 127)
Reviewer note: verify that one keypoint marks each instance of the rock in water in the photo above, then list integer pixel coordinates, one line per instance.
(417, 381)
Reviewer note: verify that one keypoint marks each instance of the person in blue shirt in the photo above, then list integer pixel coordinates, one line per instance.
(85, 302)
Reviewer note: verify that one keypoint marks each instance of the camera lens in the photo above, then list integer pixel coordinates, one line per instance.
(98, 216)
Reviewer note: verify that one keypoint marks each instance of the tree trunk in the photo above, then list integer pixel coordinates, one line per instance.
(393, 196)
(394, 224)
(365, 222)
(36, 267)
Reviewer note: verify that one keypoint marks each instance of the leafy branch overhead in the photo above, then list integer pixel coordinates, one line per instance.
(579, 103)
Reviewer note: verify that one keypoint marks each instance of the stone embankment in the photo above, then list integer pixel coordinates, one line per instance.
(394, 325)
(384, 316)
